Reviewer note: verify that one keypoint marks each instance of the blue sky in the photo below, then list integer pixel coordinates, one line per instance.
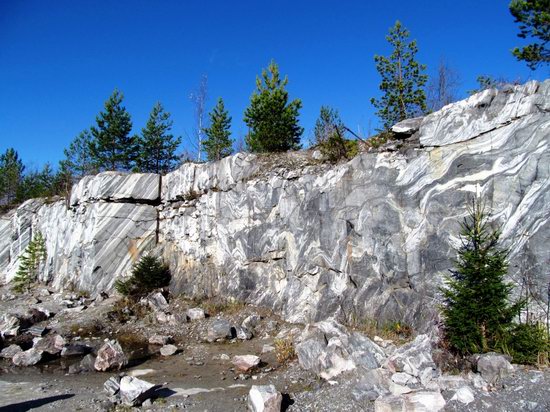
(60, 60)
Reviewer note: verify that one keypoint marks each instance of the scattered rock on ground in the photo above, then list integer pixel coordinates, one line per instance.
(464, 395)
(75, 349)
(9, 325)
(493, 367)
(10, 351)
(244, 363)
(134, 391)
(160, 340)
(27, 358)
(264, 398)
(52, 344)
(195, 314)
(219, 329)
(168, 350)
(110, 356)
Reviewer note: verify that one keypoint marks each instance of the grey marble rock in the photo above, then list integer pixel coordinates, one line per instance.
(110, 356)
(29, 357)
(219, 329)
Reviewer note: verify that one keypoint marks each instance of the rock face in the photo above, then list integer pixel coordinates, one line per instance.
(372, 237)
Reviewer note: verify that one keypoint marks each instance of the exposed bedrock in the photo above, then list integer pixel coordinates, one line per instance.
(373, 237)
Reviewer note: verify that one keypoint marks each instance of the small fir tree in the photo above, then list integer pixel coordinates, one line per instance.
(271, 118)
(29, 263)
(533, 17)
(157, 147)
(218, 144)
(478, 314)
(402, 80)
(112, 146)
(148, 274)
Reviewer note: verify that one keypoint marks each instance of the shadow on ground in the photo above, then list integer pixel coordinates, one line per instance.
(35, 403)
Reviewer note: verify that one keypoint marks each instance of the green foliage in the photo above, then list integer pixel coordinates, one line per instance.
(477, 312)
(11, 175)
(272, 120)
(78, 160)
(528, 343)
(157, 148)
(148, 274)
(218, 144)
(329, 136)
(35, 184)
(112, 147)
(29, 263)
(533, 17)
(402, 80)
(489, 82)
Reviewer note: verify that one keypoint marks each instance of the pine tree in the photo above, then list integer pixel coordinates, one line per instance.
(533, 17)
(78, 160)
(11, 176)
(112, 146)
(402, 80)
(218, 144)
(478, 315)
(272, 120)
(157, 148)
(29, 263)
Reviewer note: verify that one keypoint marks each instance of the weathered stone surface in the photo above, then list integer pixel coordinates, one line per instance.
(484, 112)
(264, 398)
(157, 302)
(407, 127)
(10, 351)
(219, 329)
(464, 395)
(110, 356)
(134, 391)
(244, 363)
(168, 350)
(112, 385)
(52, 344)
(75, 349)
(27, 358)
(87, 364)
(493, 367)
(195, 313)
(423, 401)
(9, 325)
(413, 357)
(370, 238)
(328, 350)
(243, 333)
(160, 340)
(117, 187)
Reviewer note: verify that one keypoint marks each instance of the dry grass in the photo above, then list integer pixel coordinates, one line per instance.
(396, 331)
(228, 307)
(284, 350)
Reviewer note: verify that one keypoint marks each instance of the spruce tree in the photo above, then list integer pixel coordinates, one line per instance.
(157, 147)
(11, 176)
(78, 161)
(533, 17)
(477, 313)
(402, 80)
(272, 120)
(218, 144)
(112, 146)
(29, 263)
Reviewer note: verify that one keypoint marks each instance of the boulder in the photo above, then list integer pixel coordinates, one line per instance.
(407, 127)
(110, 356)
(243, 333)
(371, 385)
(493, 367)
(52, 344)
(219, 329)
(9, 325)
(168, 350)
(10, 351)
(464, 395)
(87, 364)
(250, 322)
(27, 358)
(37, 330)
(157, 302)
(245, 363)
(112, 385)
(423, 401)
(160, 340)
(413, 357)
(264, 398)
(134, 391)
(195, 313)
(75, 349)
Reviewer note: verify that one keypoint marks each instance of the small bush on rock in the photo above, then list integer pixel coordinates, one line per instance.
(148, 274)
(528, 343)
(284, 350)
(29, 266)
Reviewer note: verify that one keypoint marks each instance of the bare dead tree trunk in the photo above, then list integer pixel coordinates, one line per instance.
(199, 99)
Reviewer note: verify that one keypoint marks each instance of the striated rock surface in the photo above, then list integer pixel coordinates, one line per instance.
(372, 237)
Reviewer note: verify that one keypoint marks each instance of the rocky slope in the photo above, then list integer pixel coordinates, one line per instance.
(372, 237)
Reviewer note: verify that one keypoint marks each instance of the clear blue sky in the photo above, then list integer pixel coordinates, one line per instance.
(60, 60)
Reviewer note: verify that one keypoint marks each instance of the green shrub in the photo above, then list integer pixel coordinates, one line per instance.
(528, 343)
(29, 264)
(148, 274)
